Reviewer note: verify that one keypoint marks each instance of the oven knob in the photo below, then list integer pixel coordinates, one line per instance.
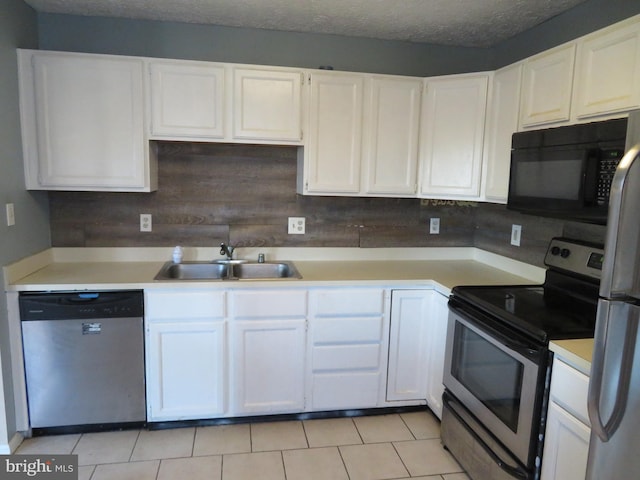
(555, 250)
(565, 252)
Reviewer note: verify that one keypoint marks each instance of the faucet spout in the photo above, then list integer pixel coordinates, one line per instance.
(227, 250)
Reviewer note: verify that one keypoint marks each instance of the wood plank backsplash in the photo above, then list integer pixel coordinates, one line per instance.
(243, 194)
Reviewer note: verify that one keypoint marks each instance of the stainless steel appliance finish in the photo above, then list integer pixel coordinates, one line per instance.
(614, 389)
(84, 359)
(498, 365)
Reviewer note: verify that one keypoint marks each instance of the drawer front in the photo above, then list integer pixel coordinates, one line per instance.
(569, 389)
(345, 390)
(269, 304)
(172, 304)
(346, 330)
(348, 302)
(346, 357)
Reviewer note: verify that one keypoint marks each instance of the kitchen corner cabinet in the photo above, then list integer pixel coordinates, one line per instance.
(453, 121)
(267, 105)
(185, 354)
(607, 78)
(268, 341)
(82, 120)
(347, 345)
(566, 445)
(502, 123)
(547, 87)
(187, 100)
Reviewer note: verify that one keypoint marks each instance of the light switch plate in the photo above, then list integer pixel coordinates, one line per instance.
(516, 234)
(145, 222)
(296, 225)
(11, 215)
(434, 226)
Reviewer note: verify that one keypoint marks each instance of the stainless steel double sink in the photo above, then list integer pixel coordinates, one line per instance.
(227, 270)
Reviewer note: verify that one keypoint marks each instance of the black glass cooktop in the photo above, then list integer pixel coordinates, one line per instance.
(539, 311)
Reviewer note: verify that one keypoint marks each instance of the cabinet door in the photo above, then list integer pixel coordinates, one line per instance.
(439, 317)
(391, 136)
(546, 87)
(608, 72)
(268, 366)
(566, 446)
(267, 105)
(185, 370)
(89, 122)
(502, 123)
(453, 136)
(334, 143)
(187, 100)
(408, 344)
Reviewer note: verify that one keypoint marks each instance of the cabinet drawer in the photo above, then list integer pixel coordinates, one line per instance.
(348, 302)
(569, 388)
(164, 304)
(345, 390)
(346, 357)
(347, 330)
(269, 304)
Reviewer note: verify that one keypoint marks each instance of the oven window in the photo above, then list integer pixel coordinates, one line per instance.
(491, 375)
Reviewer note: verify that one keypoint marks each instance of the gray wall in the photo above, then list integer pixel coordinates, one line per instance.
(31, 233)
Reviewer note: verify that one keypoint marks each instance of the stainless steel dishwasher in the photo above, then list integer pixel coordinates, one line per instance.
(84, 359)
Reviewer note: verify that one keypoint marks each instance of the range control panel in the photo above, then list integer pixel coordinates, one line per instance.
(574, 256)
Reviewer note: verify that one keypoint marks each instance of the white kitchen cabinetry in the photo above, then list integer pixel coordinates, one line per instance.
(502, 123)
(333, 149)
(187, 100)
(82, 122)
(607, 78)
(185, 354)
(566, 446)
(268, 335)
(363, 135)
(391, 133)
(547, 86)
(267, 105)
(439, 316)
(347, 345)
(453, 120)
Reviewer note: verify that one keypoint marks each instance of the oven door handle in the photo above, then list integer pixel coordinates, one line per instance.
(513, 471)
(523, 348)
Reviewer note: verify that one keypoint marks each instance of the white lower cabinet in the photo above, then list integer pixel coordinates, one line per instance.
(566, 446)
(436, 347)
(347, 348)
(185, 354)
(267, 362)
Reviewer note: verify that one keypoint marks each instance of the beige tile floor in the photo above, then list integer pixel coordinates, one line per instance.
(396, 446)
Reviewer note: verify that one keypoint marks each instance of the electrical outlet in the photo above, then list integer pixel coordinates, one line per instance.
(296, 225)
(434, 226)
(11, 215)
(145, 222)
(516, 234)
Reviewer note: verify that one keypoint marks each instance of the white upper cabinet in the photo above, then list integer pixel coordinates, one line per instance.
(502, 123)
(333, 147)
(187, 100)
(391, 133)
(607, 76)
(453, 119)
(267, 105)
(546, 87)
(83, 122)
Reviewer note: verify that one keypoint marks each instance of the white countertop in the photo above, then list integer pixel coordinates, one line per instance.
(576, 353)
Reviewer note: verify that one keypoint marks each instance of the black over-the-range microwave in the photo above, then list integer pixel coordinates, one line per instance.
(566, 172)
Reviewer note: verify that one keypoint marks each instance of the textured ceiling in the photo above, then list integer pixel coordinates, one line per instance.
(473, 23)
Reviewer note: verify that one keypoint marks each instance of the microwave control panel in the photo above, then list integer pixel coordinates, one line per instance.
(606, 169)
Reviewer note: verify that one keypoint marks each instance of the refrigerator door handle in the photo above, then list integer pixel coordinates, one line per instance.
(605, 429)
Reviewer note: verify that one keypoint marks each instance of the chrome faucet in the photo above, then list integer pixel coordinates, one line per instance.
(227, 250)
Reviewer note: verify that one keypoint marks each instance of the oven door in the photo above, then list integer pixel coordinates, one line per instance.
(498, 377)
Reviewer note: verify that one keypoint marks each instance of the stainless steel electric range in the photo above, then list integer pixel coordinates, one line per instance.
(498, 364)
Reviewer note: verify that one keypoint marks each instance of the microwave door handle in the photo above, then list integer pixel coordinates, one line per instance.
(605, 430)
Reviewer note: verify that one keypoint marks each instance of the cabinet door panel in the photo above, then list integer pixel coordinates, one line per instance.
(334, 146)
(341, 390)
(187, 99)
(89, 121)
(346, 357)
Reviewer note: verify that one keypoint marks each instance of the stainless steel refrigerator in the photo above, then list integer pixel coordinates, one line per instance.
(614, 389)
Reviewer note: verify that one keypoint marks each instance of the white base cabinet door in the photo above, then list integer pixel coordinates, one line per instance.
(268, 341)
(408, 344)
(437, 341)
(185, 352)
(347, 348)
